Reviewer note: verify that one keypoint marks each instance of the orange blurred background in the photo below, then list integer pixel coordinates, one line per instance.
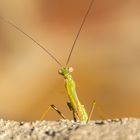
(106, 59)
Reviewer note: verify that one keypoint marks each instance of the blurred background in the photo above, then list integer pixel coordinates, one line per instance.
(106, 59)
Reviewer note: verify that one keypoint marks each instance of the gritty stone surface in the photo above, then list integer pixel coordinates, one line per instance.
(117, 129)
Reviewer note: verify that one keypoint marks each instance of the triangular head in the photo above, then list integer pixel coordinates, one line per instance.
(66, 71)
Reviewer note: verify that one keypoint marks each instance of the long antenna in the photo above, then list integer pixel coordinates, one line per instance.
(79, 31)
(13, 25)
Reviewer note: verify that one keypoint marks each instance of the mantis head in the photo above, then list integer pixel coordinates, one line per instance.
(65, 71)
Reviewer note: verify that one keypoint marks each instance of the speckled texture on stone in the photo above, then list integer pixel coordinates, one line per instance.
(118, 129)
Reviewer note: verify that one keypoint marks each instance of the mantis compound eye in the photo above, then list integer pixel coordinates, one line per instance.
(60, 71)
(71, 69)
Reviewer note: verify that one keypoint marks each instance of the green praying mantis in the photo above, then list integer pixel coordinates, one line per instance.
(78, 110)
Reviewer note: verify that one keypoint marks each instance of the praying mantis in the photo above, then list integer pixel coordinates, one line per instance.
(78, 110)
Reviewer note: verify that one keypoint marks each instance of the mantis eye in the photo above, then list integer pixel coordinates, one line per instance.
(60, 71)
(71, 69)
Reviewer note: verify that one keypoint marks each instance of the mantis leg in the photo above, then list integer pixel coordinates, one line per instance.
(92, 109)
(71, 109)
(55, 108)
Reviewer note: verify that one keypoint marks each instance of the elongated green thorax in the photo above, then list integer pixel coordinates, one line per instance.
(79, 110)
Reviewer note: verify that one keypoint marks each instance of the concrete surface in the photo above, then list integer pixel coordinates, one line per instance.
(117, 129)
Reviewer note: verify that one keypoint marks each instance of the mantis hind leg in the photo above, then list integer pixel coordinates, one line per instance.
(91, 111)
(55, 108)
(99, 110)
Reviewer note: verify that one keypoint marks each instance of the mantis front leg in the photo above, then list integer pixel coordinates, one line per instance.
(75, 117)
